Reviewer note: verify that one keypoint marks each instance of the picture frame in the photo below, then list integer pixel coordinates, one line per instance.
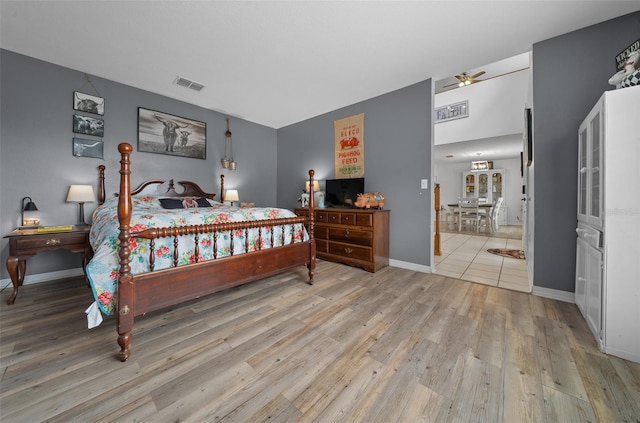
(83, 147)
(453, 111)
(87, 125)
(88, 103)
(528, 137)
(163, 133)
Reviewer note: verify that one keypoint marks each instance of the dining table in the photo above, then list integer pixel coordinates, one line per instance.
(456, 211)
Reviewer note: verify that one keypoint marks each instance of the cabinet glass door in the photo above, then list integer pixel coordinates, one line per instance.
(582, 174)
(483, 187)
(497, 186)
(594, 167)
(469, 185)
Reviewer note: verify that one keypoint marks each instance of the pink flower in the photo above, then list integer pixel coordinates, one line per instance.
(105, 298)
(138, 227)
(192, 258)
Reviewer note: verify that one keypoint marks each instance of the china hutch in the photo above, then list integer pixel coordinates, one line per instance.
(607, 291)
(487, 185)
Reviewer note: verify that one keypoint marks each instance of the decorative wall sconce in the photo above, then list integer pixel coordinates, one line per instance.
(29, 222)
(81, 194)
(228, 163)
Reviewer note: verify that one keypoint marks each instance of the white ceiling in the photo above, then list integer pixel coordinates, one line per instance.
(280, 62)
(495, 148)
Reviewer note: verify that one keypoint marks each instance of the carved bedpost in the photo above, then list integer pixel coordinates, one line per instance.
(101, 190)
(126, 300)
(312, 217)
(222, 188)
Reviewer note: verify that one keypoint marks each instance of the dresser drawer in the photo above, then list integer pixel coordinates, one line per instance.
(333, 217)
(52, 240)
(321, 232)
(322, 216)
(322, 246)
(351, 251)
(351, 236)
(347, 218)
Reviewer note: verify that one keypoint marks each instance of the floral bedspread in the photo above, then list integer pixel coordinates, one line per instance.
(102, 270)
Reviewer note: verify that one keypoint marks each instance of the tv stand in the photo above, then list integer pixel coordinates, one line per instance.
(358, 237)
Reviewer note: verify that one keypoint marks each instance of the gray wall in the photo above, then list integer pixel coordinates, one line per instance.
(570, 73)
(397, 153)
(36, 148)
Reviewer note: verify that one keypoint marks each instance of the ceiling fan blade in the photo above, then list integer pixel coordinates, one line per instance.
(461, 77)
(451, 85)
(477, 74)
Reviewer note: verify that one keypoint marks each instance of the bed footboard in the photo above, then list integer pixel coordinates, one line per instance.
(142, 293)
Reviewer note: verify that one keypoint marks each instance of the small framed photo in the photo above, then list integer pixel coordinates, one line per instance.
(163, 133)
(88, 148)
(88, 103)
(88, 126)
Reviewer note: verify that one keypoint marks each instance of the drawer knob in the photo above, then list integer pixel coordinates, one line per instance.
(346, 233)
(348, 250)
(53, 241)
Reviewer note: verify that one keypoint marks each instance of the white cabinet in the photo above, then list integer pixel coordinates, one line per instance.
(488, 186)
(589, 277)
(607, 289)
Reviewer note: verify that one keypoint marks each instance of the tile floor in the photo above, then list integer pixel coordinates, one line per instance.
(465, 257)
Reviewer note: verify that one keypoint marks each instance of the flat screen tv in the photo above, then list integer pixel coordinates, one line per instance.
(343, 192)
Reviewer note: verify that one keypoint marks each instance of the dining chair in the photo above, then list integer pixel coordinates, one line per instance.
(495, 212)
(469, 211)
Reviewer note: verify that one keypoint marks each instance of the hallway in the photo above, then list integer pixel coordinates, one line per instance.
(466, 257)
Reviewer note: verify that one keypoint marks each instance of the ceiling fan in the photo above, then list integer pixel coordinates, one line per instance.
(465, 79)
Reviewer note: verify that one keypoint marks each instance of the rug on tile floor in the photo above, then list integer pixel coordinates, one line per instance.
(505, 252)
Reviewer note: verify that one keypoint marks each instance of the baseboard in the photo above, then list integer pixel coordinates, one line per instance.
(44, 277)
(411, 266)
(631, 356)
(554, 294)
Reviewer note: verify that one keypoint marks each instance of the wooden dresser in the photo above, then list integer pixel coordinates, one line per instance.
(352, 236)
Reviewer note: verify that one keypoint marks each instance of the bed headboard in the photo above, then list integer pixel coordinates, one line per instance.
(190, 189)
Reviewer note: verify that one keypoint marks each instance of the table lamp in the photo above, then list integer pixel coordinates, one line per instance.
(316, 186)
(81, 194)
(30, 206)
(231, 195)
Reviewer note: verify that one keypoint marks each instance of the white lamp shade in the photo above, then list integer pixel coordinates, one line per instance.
(231, 195)
(81, 194)
(316, 186)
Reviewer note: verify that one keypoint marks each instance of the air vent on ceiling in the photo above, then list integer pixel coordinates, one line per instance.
(187, 83)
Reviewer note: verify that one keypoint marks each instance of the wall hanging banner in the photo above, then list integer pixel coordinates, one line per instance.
(349, 147)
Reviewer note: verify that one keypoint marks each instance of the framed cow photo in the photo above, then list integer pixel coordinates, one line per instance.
(88, 126)
(163, 133)
(88, 103)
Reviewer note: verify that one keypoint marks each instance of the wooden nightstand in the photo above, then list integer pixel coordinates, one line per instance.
(27, 243)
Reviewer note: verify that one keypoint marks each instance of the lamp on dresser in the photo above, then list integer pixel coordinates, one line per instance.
(316, 186)
(81, 194)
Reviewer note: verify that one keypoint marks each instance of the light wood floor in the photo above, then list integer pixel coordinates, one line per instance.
(395, 346)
